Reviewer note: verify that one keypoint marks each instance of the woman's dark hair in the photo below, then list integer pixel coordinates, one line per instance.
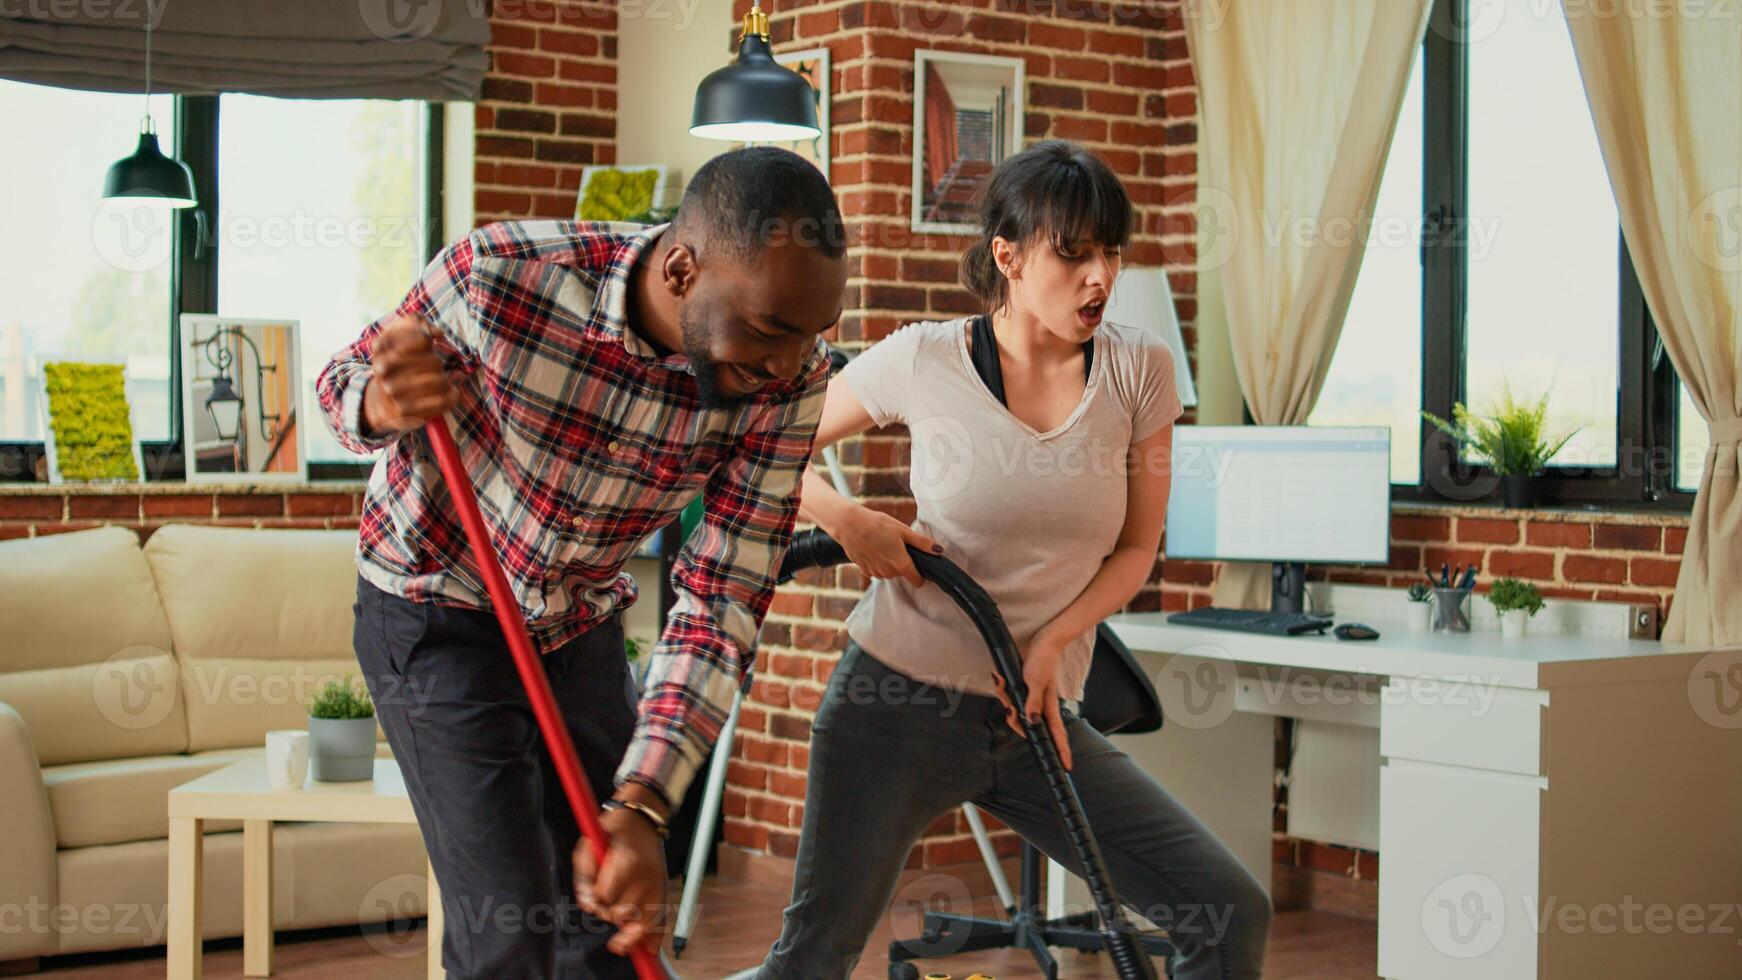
(1056, 190)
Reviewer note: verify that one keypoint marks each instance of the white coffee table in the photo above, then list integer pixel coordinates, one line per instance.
(240, 792)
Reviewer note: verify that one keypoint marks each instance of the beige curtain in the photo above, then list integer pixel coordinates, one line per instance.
(1666, 95)
(1299, 101)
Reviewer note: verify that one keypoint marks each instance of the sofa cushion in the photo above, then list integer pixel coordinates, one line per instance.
(234, 703)
(115, 802)
(260, 619)
(119, 708)
(78, 598)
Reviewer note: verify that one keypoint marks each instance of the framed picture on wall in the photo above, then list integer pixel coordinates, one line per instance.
(967, 118)
(612, 193)
(813, 67)
(240, 388)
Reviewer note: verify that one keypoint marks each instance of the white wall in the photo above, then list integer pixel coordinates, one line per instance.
(663, 53)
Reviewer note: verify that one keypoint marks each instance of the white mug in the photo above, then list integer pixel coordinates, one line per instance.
(287, 758)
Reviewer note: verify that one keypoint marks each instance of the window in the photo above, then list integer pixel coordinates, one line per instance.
(1511, 274)
(333, 246)
(79, 278)
(325, 212)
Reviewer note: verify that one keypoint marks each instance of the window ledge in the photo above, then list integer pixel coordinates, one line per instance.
(158, 488)
(1545, 515)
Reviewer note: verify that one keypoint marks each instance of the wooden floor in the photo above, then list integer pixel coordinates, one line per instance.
(737, 921)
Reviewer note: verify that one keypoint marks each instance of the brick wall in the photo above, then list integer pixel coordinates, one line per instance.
(549, 107)
(33, 510)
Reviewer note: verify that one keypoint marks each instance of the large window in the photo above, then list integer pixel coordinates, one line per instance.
(1511, 275)
(321, 211)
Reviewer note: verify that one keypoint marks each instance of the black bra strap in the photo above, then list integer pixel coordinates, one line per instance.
(991, 372)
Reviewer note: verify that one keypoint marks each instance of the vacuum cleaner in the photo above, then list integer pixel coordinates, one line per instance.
(812, 548)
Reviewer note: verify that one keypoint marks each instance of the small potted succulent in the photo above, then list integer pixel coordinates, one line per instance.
(341, 733)
(1510, 440)
(1516, 602)
(1420, 606)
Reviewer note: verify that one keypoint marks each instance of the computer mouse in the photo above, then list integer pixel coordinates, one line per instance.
(1355, 631)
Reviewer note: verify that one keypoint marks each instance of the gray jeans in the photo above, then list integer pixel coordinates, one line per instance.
(494, 819)
(889, 755)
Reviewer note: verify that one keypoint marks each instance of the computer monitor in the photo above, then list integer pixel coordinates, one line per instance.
(1285, 494)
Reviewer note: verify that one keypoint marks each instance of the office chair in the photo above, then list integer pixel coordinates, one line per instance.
(1118, 698)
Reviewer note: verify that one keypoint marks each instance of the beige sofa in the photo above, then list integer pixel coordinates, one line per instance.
(125, 671)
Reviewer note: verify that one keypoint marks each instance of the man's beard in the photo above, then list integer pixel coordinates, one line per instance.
(705, 369)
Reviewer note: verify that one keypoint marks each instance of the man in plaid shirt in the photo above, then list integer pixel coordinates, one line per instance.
(597, 378)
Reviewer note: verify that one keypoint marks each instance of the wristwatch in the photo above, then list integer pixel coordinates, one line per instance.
(652, 815)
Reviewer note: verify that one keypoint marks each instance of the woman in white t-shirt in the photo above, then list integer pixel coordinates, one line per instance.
(1040, 440)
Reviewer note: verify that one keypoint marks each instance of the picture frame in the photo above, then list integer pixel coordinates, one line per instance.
(98, 390)
(611, 192)
(814, 66)
(967, 118)
(241, 398)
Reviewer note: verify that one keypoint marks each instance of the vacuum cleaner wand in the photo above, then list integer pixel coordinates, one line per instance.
(527, 663)
(816, 548)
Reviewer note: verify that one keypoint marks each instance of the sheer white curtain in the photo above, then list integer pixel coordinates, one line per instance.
(1299, 101)
(1666, 95)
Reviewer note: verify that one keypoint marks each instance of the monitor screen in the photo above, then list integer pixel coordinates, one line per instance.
(1282, 493)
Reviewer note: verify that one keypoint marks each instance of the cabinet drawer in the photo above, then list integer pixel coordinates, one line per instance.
(1467, 725)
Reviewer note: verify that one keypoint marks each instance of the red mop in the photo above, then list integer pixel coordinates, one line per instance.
(532, 676)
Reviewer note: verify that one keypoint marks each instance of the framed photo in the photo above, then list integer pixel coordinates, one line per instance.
(611, 193)
(967, 118)
(88, 434)
(813, 67)
(240, 393)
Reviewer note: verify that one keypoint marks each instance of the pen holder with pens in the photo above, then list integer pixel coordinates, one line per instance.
(1452, 610)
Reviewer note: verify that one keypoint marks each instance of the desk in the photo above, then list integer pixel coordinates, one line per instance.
(241, 792)
(1558, 806)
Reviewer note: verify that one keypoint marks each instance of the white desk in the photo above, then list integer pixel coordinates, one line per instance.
(1557, 806)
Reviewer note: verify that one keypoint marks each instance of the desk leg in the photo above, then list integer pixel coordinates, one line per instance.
(257, 898)
(434, 927)
(186, 868)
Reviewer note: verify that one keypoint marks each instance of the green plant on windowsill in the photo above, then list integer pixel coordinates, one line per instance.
(1510, 439)
(341, 700)
(90, 421)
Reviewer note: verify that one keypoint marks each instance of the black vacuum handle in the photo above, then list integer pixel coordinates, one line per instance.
(814, 548)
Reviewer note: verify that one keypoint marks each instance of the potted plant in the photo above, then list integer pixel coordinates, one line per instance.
(1516, 602)
(1420, 607)
(341, 733)
(1510, 440)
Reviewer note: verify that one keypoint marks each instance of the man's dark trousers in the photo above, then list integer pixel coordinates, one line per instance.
(493, 816)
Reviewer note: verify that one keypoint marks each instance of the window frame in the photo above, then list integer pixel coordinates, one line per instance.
(194, 285)
(1644, 477)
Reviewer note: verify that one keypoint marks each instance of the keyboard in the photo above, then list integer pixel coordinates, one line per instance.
(1252, 621)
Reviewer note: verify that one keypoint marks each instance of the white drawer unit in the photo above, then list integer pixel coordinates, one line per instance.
(1464, 723)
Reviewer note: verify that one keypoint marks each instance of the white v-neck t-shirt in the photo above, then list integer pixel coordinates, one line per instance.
(1030, 515)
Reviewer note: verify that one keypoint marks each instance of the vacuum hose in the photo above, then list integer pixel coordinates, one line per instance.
(814, 548)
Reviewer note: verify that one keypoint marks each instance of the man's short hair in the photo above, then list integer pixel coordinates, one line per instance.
(741, 202)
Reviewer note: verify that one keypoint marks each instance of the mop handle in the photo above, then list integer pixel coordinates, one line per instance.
(526, 661)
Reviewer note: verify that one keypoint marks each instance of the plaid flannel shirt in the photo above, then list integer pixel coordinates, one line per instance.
(582, 441)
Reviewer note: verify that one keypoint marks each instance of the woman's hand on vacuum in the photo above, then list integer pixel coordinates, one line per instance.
(628, 891)
(877, 543)
(1041, 663)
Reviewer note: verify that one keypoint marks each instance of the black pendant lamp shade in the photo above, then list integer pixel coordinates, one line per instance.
(755, 100)
(149, 177)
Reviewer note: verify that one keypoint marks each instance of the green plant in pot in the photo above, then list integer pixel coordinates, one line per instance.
(1420, 608)
(341, 733)
(1516, 601)
(1510, 439)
